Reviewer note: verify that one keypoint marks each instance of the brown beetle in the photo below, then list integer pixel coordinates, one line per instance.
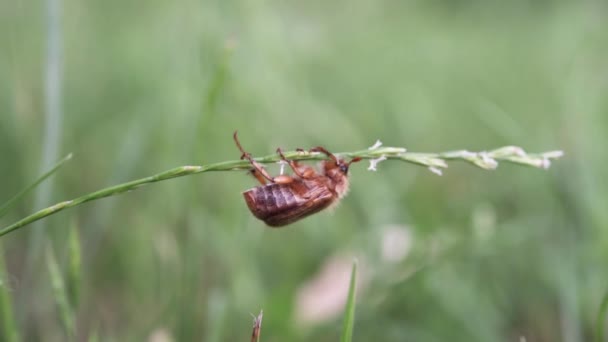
(287, 199)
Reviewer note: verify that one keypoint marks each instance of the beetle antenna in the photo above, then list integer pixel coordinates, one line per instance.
(354, 160)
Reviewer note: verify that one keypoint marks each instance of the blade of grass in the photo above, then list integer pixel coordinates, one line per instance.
(485, 160)
(6, 206)
(216, 85)
(60, 294)
(8, 327)
(349, 312)
(601, 319)
(73, 276)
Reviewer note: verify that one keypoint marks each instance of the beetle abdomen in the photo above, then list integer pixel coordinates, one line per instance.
(281, 204)
(268, 199)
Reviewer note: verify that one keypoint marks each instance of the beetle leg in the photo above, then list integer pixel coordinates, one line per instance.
(326, 152)
(300, 171)
(255, 173)
(258, 170)
(280, 179)
(283, 179)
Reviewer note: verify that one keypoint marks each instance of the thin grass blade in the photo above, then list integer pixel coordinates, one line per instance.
(601, 319)
(349, 312)
(60, 294)
(6, 206)
(73, 276)
(434, 161)
(8, 327)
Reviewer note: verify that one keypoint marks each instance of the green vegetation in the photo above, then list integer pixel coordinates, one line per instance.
(434, 161)
(469, 256)
(9, 331)
(349, 311)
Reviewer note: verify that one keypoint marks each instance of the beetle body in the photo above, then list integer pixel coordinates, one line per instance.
(285, 199)
(281, 204)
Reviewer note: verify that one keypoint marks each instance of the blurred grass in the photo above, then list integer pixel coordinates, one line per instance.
(494, 256)
(11, 202)
(73, 270)
(349, 311)
(601, 319)
(10, 330)
(60, 294)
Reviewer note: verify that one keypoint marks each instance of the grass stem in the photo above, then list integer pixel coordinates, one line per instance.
(434, 161)
(349, 312)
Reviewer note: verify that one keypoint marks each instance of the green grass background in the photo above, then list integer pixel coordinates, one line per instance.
(150, 85)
